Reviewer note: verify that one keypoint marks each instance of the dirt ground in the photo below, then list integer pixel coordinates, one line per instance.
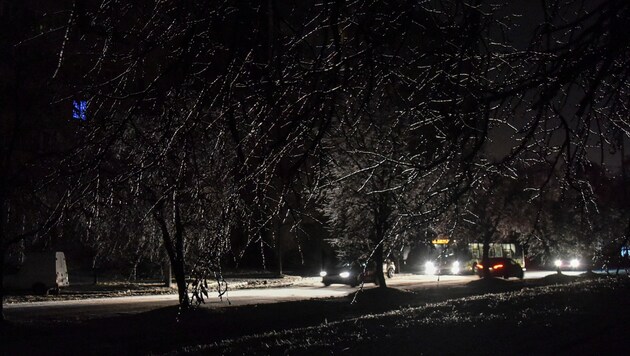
(558, 315)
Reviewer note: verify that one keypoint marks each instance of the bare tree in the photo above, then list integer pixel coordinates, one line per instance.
(418, 111)
(203, 114)
(219, 108)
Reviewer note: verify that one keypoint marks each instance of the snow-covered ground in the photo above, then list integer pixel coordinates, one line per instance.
(558, 314)
(582, 317)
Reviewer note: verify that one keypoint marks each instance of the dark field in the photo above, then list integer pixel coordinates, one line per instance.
(586, 316)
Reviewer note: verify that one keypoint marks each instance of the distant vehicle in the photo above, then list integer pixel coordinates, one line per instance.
(447, 266)
(446, 256)
(502, 267)
(41, 273)
(566, 264)
(355, 273)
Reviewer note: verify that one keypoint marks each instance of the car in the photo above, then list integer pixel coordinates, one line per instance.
(567, 264)
(446, 266)
(389, 268)
(355, 273)
(502, 267)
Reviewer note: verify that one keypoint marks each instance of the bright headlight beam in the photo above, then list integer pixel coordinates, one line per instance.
(429, 268)
(344, 274)
(455, 267)
(574, 263)
(322, 274)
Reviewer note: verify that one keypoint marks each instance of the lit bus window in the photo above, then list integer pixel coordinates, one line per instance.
(79, 109)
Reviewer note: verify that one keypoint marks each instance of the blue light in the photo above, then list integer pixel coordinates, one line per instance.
(79, 109)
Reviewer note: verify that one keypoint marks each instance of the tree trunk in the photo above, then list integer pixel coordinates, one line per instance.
(180, 280)
(278, 232)
(133, 275)
(279, 252)
(175, 251)
(179, 265)
(168, 272)
(378, 258)
(95, 270)
(381, 214)
(94, 276)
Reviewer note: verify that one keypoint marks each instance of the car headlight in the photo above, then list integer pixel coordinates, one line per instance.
(429, 268)
(455, 267)
(558, 263)
(574, 263)
(322, 274)
(344, 274)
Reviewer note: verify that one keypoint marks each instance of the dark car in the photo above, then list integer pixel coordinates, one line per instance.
(502, 267)
(450, 265)
(354, 273)
(346, 273)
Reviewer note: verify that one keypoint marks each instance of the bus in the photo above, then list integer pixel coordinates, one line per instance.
(445, 256)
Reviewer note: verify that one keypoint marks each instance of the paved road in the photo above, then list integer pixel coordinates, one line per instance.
(308, 288)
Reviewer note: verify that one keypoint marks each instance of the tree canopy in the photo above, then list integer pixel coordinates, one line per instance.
(207, 126)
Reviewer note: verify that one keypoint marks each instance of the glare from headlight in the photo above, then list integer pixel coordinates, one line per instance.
(322, 274)
(558, 263)
(574, 263)
(455, 267)
(344, 274)
(429, 268)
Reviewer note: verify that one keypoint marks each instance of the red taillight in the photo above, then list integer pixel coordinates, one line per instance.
(497, 266)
